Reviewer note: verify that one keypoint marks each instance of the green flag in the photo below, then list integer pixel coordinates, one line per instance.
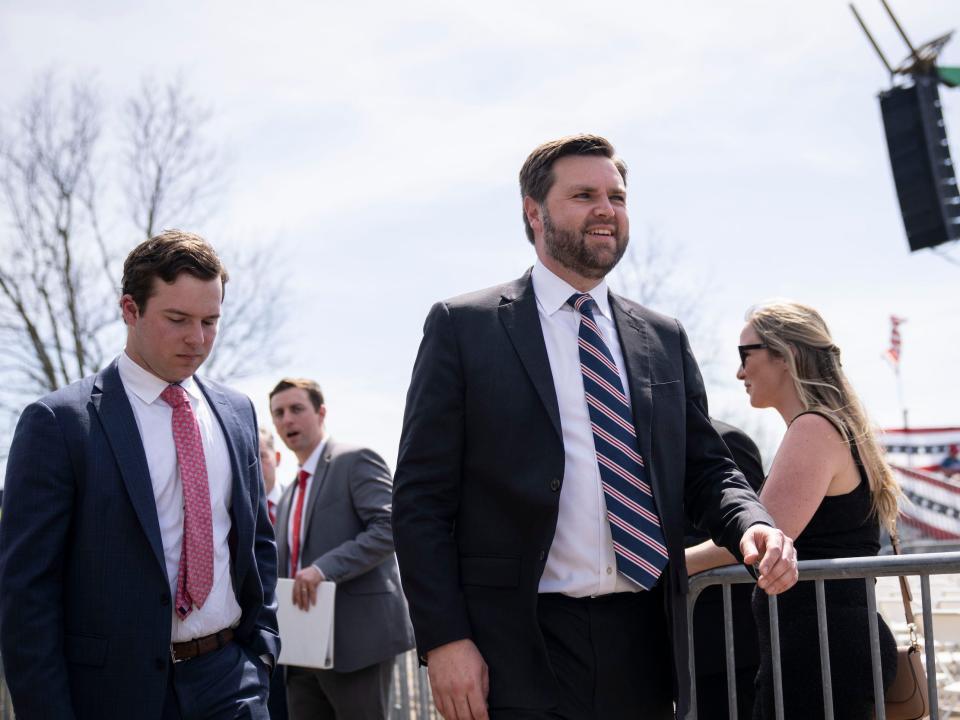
(949, 75)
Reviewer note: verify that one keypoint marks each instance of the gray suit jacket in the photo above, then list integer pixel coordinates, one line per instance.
(349, 538)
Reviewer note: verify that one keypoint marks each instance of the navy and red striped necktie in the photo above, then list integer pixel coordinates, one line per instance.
(634, 523)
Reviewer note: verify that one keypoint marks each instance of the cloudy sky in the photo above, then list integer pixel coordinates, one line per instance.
(375, 147)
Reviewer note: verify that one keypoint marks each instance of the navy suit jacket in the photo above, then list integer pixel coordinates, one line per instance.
(85, 615)
(479, 475)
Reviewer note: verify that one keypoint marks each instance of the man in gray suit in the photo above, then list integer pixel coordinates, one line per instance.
(333, 523)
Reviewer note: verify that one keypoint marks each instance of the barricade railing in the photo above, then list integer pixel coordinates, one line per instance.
(411, 699)
(6, 704)
(410, 695)
(866, 568)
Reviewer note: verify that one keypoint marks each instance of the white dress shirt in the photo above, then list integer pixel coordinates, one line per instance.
(154, 421)
(310, 465)
(273, 497)
(581, 561)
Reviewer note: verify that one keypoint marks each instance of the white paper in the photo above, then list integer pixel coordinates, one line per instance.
(306, 637)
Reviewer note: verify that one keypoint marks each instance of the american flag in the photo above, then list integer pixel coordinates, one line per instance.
(893, 352)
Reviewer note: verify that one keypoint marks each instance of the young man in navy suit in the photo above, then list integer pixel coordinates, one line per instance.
(137, 562)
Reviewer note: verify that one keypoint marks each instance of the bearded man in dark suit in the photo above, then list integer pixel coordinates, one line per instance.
(555, 437)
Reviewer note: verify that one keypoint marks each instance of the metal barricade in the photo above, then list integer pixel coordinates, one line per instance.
(817, 571)
(411, 699)
(410, 696)
(6, 704)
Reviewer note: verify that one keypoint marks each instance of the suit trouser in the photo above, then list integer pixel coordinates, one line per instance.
(611, 656)
(331, 695)
(277, 704)
(226, 684)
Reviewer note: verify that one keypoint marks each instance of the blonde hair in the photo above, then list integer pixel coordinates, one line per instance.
(799, 334)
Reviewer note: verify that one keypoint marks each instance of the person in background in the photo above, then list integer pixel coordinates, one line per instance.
(269, 460)
(333, 524)
(137, 561)
(709, 639)
(831, 489)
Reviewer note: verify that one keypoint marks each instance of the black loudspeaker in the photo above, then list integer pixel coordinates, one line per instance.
(920, 158)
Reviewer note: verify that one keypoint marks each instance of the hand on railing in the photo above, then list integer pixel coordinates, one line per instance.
(772, 554)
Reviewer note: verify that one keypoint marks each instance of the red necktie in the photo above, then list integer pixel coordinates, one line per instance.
(195, 575)
(272, 511)
(297, 520)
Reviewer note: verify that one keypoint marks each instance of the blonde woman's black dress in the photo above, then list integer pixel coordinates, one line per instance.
(843, 526)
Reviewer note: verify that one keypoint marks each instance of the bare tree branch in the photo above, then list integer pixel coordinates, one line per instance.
(9, 288)
(59, 269)
(250, 338)
(650, 273)
(174, 173)
(45, 158)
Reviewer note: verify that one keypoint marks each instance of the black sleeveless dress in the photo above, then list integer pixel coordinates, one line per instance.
(843, 526)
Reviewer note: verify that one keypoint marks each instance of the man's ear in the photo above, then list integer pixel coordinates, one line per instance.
(534, 213)
(128, 307)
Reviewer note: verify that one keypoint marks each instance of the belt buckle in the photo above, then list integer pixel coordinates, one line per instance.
(173, 656)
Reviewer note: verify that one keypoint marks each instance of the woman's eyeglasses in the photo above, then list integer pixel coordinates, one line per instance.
(744, 349)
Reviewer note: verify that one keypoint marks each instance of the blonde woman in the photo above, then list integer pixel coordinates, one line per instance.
(830, 489)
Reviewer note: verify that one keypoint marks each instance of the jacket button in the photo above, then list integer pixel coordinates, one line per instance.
(555, 484)
(164, 599)
(543, 555)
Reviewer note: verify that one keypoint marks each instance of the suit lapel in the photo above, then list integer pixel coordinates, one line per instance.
(241, 510)
(317, 486)
(280, 530)
(109, 398)
(518, 313)
(634, 342)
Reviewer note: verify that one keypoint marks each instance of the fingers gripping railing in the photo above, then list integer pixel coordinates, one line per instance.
(867, 568)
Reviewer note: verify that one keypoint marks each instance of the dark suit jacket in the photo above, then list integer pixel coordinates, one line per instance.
(84, 596)
(709, 642)
(348, 537)
(481, 465)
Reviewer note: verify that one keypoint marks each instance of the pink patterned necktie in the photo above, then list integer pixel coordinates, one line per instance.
(195, 576)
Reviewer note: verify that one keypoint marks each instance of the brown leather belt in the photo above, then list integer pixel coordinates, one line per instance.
(201, 646)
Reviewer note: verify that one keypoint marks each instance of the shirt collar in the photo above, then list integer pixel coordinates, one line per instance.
(147, 386)
(313, 458)
(275, 494)
(553, 292)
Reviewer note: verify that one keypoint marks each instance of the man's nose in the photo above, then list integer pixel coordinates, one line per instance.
(195, 336)
(604, 208)
(740, 373)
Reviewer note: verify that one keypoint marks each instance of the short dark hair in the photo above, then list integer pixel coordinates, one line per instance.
(312, 388)
(167, 256)
(536, 175)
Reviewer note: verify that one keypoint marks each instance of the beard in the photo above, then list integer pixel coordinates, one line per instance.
(572, 249)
